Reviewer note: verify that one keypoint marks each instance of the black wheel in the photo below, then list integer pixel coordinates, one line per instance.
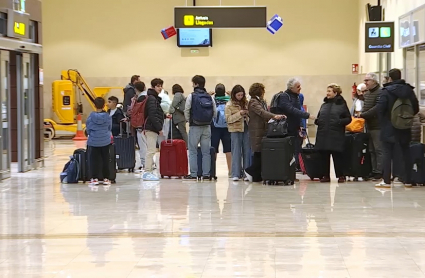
(169, 177)
(162, 176)
(264, 182)
(215, 178)
(113, 181)
(311, 179)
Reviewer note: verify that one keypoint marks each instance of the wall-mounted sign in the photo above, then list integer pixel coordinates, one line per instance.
(17, 24)
(379, 37)
(220, 17)
(354, 68)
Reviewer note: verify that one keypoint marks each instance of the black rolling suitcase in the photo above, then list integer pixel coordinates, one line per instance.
(357, 160)
(125, 150)
(278, 161)
(81, 156)
(311, 161)
(417, 159)
(213, 171)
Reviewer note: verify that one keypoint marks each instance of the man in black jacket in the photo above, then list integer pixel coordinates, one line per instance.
(116, 114)
(370, 114)
(288, 103)
(153, 129)
(130, 92)
(395, 89)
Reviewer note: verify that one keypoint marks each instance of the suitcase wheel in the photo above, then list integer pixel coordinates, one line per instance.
(162, 176)
(131, 170)
(289, 183)
(312, 179)
(113, 181)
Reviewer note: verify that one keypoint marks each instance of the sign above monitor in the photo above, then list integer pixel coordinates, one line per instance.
(379, 36)
(220, 17)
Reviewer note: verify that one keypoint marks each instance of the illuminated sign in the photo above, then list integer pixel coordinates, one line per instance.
(379, 36)
(220, 17)
(20, 28)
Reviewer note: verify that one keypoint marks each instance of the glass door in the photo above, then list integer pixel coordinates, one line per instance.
(5, 116)
(26, 125)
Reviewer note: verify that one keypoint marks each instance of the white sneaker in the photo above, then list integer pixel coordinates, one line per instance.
(235, 179)
(94, 182)
(248, 176)
(246, 179)
(149, 177)
(382, 184)
(106, 182)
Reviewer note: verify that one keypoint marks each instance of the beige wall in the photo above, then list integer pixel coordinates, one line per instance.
(108, 41)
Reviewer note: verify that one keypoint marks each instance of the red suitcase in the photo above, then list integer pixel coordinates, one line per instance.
(173, 159)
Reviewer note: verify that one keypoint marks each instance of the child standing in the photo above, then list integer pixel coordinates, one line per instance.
(99, 126)
(117, 115)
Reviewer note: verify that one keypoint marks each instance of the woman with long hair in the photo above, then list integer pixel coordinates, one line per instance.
(237, 123)
(177, 110)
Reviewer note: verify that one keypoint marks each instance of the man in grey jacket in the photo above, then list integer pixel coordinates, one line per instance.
(371, 115)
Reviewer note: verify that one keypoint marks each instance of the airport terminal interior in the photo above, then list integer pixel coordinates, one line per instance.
(58, 56)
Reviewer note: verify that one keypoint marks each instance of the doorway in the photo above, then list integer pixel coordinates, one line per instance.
(5, 113)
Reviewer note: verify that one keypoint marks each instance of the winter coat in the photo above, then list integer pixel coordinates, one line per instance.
(116, 121)
(129, 93)
(331, 121)
(289, 105)
(98, 127)
(370, 108)
(390, 93)
(177, 108)
(154, 113)
(165, 101)
(258, 118)
(417, 127)
(235, 121)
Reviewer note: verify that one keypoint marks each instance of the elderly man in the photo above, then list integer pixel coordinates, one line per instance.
(371, 115)
(288, 103)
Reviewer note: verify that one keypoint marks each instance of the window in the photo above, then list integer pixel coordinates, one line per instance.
(3, 23)
(410, 65)
(421, 73)
(33, 31)
(19, 5)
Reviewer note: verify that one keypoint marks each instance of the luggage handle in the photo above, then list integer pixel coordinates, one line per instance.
(127, 125)
(170, 142)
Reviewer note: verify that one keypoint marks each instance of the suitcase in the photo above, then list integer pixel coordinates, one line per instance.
(357, 160)
(213, 173)
(311, 161)
(125, 150)
(417, 159)
(173, 158)
(278, 161)
(81, 156)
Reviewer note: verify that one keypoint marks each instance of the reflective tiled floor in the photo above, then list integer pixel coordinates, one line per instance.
(187, 229)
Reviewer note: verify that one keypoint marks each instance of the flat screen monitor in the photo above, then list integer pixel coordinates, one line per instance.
(194, 37)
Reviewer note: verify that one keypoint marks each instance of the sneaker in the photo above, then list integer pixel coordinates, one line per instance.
(408, 185)
(149, 177)
(397, 180)
(94, 182)
(235, 179)
(382, 184)
(190, 178)
(246, 179)
(106, 182)
(248, 176)
(230, 175)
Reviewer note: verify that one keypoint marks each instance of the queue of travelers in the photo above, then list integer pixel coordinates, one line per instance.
(239, 121)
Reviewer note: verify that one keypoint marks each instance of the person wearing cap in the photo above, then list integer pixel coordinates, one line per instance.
(358, 101)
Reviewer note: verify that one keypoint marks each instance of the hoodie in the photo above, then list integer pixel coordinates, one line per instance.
(99, 126)
(129, 93)
(390, 93)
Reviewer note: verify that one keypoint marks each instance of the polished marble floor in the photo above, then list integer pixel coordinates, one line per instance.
(183, 229)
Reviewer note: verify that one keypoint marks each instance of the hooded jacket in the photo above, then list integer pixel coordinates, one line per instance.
(370, 108)
(116, 121)
(129, 93)
(98, 127)
(154, 113)
(390, 93)
(331, 121)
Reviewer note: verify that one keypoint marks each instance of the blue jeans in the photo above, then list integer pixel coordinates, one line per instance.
(200, 134)
(241, 152)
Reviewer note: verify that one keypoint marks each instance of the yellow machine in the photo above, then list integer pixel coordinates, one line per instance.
(65, 105)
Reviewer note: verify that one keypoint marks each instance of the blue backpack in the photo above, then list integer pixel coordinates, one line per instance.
(71, 171)
(202, 109)
(220, 120)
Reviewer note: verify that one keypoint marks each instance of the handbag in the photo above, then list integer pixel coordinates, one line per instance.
(277, 128)
(356, 125)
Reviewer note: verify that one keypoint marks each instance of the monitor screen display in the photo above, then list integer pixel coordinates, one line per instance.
(199, 37)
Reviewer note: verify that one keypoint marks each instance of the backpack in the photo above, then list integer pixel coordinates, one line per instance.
(202, 111)
(220, 120)
(275, 102)
(71, 171)
(402, 114)
(138, 118)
